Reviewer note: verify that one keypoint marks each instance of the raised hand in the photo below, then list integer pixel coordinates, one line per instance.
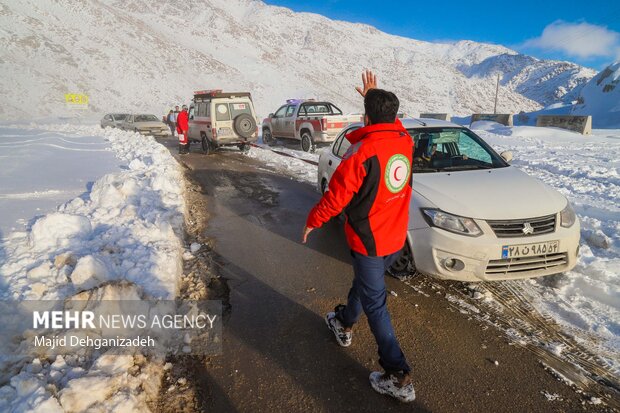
(369, 81)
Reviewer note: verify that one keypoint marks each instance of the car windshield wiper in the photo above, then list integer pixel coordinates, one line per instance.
(456, 167)
(422, 170)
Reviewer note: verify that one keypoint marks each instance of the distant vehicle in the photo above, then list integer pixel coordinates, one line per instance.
(307, 121)
(222, 119)
(473, 216)
(146, 125)
(113, 120)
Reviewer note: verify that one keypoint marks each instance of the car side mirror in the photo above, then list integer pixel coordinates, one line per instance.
(271, 115)
(506, 155)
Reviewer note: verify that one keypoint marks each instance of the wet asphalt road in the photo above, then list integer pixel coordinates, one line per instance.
(278, 355)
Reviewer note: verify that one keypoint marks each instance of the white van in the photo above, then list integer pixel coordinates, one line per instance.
(222, 119)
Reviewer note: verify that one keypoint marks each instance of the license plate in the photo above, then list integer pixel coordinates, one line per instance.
(224, 131)
(528, 250)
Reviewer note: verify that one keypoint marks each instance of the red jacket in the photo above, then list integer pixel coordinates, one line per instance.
(373, 186)
(182, 122)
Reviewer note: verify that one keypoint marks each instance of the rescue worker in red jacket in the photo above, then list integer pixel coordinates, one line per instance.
(182, 129)
(372, 185)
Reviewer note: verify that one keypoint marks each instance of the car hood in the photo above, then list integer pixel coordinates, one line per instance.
(501, 193)
(154, 124)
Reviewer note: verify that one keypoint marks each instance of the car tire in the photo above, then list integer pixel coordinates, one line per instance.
(404, 266)
(207, 148)
(307, 143)
(244, 125)
(244, 148)
(267, 137)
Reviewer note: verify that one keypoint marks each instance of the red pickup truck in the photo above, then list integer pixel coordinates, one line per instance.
(308, 121)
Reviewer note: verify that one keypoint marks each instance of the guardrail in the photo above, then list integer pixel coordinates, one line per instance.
(503, 118)
(579, 124)
(440, 116)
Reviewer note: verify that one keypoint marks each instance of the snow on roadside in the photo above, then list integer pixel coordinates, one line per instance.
(293, 165)
(586, 169)
(121, 240)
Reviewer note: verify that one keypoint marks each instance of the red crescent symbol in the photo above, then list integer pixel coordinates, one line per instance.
(396, 173)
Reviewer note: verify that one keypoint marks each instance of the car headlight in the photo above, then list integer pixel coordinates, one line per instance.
(568, 216)
(452, 223)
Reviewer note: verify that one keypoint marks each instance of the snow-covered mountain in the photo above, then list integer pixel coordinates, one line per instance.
(600, 97)
(147, 55)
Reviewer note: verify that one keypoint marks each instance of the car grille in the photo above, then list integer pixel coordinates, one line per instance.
(514, 227)
(516, 266)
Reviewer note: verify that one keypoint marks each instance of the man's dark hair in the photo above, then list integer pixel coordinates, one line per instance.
(381, 106)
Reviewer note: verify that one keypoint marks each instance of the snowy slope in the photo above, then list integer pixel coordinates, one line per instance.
(543, 81)
(601, 98)
(148, 55)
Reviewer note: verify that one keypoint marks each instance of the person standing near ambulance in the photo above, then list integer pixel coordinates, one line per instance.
(182, 130)
(372, 185)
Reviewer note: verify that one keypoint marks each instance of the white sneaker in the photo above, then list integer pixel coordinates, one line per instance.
(343, 338)
(384, 383)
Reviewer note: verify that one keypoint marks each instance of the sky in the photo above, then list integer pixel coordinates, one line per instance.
(584, 32)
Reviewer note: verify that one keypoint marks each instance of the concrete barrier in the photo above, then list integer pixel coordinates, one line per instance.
(440, 116)
(503, 118)
(579, 124)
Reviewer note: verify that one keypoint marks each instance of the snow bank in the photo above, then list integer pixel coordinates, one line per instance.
(120, 240)
(302, 171)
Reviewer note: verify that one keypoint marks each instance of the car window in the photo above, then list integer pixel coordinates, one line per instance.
(208, 109)
(335, 110)
(317, 108)
(238, 108)
(290, 110)
(191, 112)
(221, 112)
(280, 112)
(451, 149)
(337, 143)
(342, 144)
(145, 118)
(107, 117)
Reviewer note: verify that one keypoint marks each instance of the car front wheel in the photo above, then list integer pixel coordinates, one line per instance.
(267, 137)
(404, 266)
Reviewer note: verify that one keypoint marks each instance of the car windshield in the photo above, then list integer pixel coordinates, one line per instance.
(451, 149)
(119, 116)
(145, 118)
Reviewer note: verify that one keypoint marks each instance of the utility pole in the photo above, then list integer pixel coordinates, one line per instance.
(496, 95)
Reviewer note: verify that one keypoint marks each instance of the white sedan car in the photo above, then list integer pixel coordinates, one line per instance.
(473, 216)
(145, 125)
